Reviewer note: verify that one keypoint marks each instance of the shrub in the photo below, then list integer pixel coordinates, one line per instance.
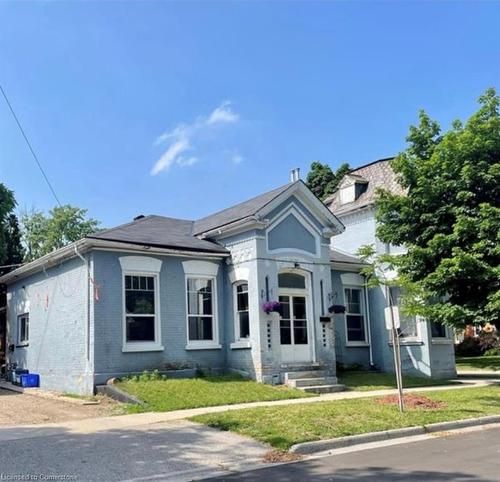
(147, 376)
(468, 347)
(488, 340)
(492, 351)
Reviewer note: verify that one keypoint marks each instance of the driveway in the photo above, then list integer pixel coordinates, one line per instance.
(24, 409)
(177, 451)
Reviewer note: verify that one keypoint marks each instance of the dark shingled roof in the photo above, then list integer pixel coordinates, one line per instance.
(160, 232)
(237, 212)
(377, 174)
(339, 257)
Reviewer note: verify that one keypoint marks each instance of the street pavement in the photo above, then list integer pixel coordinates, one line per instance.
(176, 451)
(458, 456)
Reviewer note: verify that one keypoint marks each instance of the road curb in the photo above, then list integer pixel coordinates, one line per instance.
(306, 448)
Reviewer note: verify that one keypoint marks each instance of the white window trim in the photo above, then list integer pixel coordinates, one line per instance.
(141, 346)
(412, 340)
(204, 344)
(363, 313)
(240, 342)
(302, 219)
(441, 340)
(23, 342)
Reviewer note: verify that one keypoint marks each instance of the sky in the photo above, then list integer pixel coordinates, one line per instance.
(184, 108)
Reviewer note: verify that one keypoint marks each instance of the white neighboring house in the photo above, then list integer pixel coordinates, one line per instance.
(427, 347)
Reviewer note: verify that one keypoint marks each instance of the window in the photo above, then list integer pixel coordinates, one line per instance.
(438, 330)
(291, 280)
(408, 324)
(354, 315)
(347, 194)
(140, 308)
(23, 328)
(242, 315)
(200, 303)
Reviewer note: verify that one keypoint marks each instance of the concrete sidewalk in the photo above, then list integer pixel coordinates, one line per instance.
(141, 419)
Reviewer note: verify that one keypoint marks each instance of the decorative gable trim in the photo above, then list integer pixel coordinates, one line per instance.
(310, 201)
(294, 210)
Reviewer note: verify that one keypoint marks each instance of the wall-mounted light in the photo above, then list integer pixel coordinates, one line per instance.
(296, 265)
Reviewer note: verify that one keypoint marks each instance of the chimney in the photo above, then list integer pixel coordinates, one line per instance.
(295, 174)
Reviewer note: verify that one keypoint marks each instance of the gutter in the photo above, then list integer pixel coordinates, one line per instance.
(85, 244)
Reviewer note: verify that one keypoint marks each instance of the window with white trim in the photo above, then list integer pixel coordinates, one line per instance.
(438, 330)
(355, 315)
(242, 312)
(408, 328)
(140, 308)
(200, 309)
(23, 328)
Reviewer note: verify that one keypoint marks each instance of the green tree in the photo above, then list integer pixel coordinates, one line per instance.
(449, 221)
(322, 181)
(14, 251)
(44, 234)
(7, 204)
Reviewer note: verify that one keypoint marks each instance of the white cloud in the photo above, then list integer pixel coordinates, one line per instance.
(171, 155)
(183, 161)
(223, 114)
(237, 158)
(182, 138)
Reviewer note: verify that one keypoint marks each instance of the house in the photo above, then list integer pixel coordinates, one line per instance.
(170, 293)
(426, 348)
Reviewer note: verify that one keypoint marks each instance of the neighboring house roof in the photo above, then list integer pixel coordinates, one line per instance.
(340, 257)
(238, 212)
(377, 174)
(161, 232)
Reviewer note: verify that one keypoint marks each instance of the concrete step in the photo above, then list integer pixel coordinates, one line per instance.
(304, 374)
(324, 388)
(310, 382)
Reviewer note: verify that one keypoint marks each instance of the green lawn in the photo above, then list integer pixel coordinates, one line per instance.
(488, 363)
(366, 381)
(177, 394)
(284, 426)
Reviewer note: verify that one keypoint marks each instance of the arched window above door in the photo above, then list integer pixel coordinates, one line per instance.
(291, 280)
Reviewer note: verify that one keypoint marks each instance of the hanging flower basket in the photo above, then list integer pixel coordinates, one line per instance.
(271, 307)
(337, 309)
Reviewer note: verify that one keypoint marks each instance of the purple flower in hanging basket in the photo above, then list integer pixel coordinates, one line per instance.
(271, 306)
(336, 309)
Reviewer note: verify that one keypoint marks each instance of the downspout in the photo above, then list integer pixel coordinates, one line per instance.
(87, 334)
(367, 304)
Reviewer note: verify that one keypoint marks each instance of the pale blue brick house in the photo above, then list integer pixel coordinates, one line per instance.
(163, 293)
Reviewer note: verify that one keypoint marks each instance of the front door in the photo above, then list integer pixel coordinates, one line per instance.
(294, 332)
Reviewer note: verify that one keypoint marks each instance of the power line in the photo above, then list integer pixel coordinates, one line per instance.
(30, 147)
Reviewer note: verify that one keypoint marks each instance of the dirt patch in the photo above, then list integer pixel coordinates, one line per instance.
(24, 409)
(413, 401)
(277, 456)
